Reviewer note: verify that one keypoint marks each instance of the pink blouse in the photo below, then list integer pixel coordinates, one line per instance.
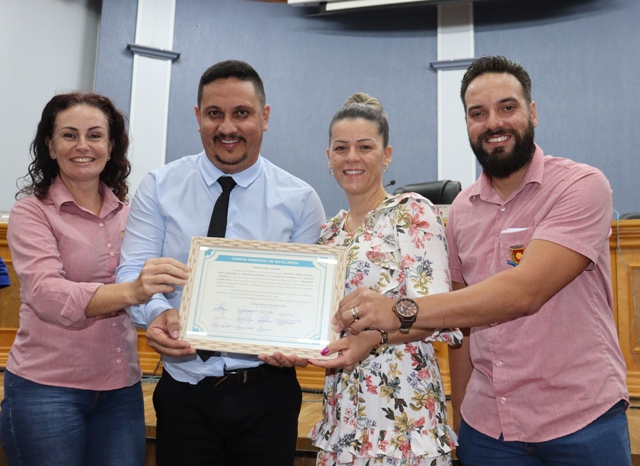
(62, 254)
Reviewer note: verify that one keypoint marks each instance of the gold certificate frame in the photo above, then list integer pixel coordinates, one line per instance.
(256, 297)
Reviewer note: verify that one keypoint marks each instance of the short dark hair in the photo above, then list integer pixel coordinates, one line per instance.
(496, 64)
(233, 69)
(361, 105)
(43, 169)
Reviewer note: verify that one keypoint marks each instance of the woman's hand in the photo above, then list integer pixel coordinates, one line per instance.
(364, 309)
(160, 275)
(351, 350)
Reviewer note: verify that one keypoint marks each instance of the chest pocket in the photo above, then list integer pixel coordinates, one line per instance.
(512, 244)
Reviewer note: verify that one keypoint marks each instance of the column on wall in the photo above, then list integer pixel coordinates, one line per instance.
(150, 86)
(455, 53)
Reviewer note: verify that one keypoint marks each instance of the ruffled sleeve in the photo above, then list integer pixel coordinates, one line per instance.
(422, 246)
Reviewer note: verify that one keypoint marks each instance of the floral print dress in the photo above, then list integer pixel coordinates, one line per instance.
(390, 409)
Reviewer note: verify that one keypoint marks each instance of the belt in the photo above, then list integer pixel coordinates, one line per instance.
(242, 376)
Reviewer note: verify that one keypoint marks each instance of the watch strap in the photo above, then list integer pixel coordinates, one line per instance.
(383, 341)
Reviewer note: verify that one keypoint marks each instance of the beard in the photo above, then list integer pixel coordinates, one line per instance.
(226, 159)
(499, 163)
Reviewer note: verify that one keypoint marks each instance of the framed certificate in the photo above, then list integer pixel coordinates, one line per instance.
(257, 297)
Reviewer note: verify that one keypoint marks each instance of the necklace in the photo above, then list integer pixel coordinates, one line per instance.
(346, 221)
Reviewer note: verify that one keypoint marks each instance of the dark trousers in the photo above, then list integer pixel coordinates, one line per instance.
(253, 423)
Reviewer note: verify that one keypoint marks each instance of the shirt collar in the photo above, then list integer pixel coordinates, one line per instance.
(533, 174)
(211, 173)
(60, 195)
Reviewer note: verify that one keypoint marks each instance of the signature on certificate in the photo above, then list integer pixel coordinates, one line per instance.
(220, 308)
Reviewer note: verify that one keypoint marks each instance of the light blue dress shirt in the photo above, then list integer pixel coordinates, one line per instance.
(174, 203)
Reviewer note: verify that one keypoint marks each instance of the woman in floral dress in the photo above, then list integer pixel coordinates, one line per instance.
(383, 399)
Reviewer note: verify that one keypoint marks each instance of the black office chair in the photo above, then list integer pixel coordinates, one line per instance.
(630, 216)
(438, 192)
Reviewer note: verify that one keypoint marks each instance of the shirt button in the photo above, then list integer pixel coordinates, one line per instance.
(108, 245)
(230, 225)
(503, 400)
(113, 313)
(502, 208)
(112, 253)
(113, 324)
(118, 361)
(101, 224)
(119, 350)
(499, 364)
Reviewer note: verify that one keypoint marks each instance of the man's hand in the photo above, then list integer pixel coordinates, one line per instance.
(351, 350)
(278, 359)
(163, 333)
(160, 275)
(363, 309)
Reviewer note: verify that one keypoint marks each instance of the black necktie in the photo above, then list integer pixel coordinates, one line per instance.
(218, 223)
(218, 228)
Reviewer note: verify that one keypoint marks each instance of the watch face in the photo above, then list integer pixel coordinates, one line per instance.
(407, 307)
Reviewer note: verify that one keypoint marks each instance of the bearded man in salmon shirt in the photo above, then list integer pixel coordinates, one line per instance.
(541, 379)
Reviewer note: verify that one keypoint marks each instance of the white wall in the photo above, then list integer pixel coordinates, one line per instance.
(46, 47)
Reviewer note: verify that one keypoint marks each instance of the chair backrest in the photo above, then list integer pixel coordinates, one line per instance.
(630, 216)
(438, 192)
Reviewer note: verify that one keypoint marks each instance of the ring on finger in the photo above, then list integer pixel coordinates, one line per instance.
(354, 313)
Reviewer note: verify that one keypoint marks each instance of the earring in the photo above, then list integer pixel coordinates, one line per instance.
(330, 170)
(385, 168)
(108, 158)
(53, 156)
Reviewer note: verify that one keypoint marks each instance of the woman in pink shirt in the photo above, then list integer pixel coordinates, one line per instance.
(72, 384)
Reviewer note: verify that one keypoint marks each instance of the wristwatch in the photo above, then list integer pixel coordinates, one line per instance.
(406, 309)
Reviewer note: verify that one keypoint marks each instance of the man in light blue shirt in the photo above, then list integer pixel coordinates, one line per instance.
(222, 410)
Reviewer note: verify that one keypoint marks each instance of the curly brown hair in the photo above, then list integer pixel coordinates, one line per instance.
(43, 169)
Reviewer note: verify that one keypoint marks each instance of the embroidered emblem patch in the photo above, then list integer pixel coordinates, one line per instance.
(516, 255)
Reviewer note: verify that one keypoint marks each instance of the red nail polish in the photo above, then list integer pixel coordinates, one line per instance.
(324, 352)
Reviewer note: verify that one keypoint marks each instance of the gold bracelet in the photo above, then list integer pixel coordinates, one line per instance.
(383, 341)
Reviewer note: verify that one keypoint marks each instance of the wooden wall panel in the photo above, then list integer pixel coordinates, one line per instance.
(625, 254)
(9, 301)
(4, 245)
